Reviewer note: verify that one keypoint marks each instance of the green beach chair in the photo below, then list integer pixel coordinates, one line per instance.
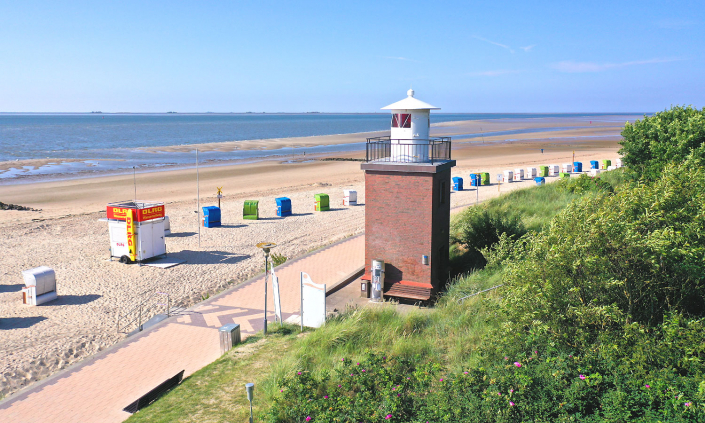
(485, 178)
(543, 171)
(322, 202)
(606, 164)
(250, 210)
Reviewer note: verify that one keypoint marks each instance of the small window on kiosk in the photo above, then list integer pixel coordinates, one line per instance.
(401, 120)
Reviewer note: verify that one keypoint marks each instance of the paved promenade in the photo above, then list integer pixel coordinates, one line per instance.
(98, 388)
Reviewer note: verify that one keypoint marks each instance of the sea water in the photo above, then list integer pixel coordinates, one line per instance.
(116, 142)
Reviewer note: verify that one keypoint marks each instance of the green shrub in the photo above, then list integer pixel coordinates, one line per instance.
(670, 136)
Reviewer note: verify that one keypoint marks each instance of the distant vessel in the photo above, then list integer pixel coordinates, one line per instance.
(171, 112)
(97, 111)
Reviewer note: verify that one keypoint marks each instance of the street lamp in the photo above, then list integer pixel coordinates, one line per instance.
(266, 246)
(250, 387)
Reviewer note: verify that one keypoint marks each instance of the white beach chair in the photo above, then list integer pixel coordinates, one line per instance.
(508, 176)
(40, 286)
(594, 172)
(349, 197)
(518, 175)
(531, 172)
(567, 168)
(553, 170)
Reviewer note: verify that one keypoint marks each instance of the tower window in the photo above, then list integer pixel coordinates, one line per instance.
(401, 120)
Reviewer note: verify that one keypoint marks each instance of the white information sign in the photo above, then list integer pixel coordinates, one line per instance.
(313, 302)
(277, 301)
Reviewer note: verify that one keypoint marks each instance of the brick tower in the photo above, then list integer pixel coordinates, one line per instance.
(407, 203)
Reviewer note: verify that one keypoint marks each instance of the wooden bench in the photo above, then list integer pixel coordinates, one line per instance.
(410, 290)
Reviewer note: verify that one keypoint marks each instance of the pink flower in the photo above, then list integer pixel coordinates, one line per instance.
(340, 386)
(688, 404)
(511, 391)
(465, 373)
(389, 416)
(582, 377)
(511, 404)
(351, 374)
(536, 352)
(358, 364)
(325, 396)
(384, 358)
(363, 370)
(398, 395)
(499, 393)
(308, 418)
(647, 386)
(394, 389)
(408, 378)
(506, 358)
(441, 379)
(342, 359)
(298, 373)
(281, 390)
(518, 364)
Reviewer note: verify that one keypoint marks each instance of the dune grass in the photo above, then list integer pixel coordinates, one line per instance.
(448, 334)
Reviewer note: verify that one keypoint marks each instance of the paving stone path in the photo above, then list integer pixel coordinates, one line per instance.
(98, 388)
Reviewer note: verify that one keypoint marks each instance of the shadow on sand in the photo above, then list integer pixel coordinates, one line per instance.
(9, 323)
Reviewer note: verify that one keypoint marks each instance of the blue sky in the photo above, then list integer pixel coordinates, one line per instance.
(328, 56)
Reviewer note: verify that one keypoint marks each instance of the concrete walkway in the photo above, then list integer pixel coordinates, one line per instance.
(98, 388)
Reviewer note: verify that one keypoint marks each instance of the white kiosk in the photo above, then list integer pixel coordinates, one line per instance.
(410, 129)
(136, 230)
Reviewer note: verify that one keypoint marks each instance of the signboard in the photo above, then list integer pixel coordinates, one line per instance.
(120, 213)
(131, 238)
(277, 302)
(313, 302)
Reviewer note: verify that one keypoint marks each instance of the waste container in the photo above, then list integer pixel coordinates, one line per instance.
(540, 180)
(283, 206)
(365, 289)
(229, 336)
(211, 217)
(543, 171)
(485, 178)
(322, 202)
(250, 210)
(577, 167)
(564, 175)
(457, 183)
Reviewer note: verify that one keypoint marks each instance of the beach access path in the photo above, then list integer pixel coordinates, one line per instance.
(97, 389)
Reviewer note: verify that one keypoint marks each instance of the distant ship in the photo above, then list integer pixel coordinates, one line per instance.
(171, 112)
(98, 111)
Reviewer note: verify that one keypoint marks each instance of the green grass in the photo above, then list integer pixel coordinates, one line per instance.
(448, 334)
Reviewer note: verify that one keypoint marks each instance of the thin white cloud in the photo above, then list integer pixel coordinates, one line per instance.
(527, 48)
(497, 72)
(494, 43)
(405, 59)
(582, 67)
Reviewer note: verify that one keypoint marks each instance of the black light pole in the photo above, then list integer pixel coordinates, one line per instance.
(266, 246)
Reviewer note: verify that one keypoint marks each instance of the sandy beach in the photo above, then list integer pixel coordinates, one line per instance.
(68, 236)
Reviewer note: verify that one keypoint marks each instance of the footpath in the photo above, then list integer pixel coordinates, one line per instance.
(98, 388)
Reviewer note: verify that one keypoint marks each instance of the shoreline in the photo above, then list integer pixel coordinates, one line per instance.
(67, 236)
(236, 153)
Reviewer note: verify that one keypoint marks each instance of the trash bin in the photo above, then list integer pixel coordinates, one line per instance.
(540, 180)
(211, 217)
(229, 336)
(283, 206)
(365, 289)
(250, 210)
(322, 202)
(564, 175)
(457, 183)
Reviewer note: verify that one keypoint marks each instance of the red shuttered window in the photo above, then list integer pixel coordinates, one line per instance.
(401, 120)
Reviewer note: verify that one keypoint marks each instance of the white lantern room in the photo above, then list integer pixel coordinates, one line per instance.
(410, 129)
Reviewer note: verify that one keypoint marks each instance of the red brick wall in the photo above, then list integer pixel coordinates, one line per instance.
(405, 220)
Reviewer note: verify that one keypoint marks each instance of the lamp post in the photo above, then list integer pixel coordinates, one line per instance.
(266, 246)
(250, 387)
